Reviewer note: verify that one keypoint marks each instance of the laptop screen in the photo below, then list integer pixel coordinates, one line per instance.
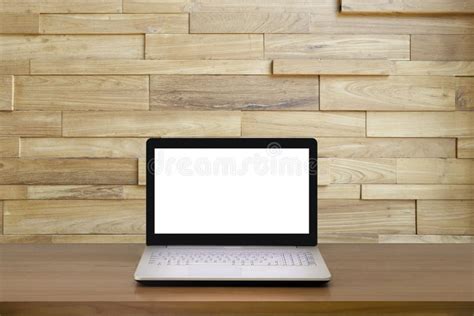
(231, 190)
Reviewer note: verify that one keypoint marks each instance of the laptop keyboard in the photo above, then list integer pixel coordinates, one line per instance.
(231, 258)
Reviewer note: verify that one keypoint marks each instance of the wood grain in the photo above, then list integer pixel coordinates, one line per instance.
(15, 23)
(445, 217)
(71, 93)
(281, 46)
(142, 171)
(420, 124)
(208, 46)
(306, 124)
(83, 147)
(13, 192)
(85, 192)
(234, 92)
(249, 22)
(363, 170)
(324, 172)
(339, 191)
(442, 47)
(158, 67)
(30, 123)
(465, 93)
(442, 171)
(80, 6)
(417, 192)
(74, 217)
(408, 7)
(151, 124)
(387, 147)
(344, 238)
(331, 67)
(19, 6)
(113, 23)
(9, 146)
(98, 239)
(433, 68)
(431, 239)
(71, 46)
(358, 216)
(157, 6)
(330, 21)
(14, 67)
(68, 171)
(393, 93)
(7, 87)
(465, 148)
(25, 239)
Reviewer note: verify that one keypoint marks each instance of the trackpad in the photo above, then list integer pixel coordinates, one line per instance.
(214, 271)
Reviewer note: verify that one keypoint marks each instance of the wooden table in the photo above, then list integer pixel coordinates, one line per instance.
(98, 280)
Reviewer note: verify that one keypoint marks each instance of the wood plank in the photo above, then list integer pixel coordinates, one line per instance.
(393, 93)
(84, 192)
(420, 124)
(80, 6)
(113, 23)
(465, 93)
(151, 124)
(208, 46)
(408, 7)
(83, 147)
(98, 239)
(430, 239)
(332, 22)
(465, 147)
(157, 67)
(417, 192)
(249, 22)
(321, 46)
(74, 217)
(358, 216)
(19, 6)
(13, 192)
(30, 123)
(7, 87)
(70, 93)
(234, 92)
(342, 238)
(433, 170)
(387, 147)
(433, 68)
(339, 191)
(331, 67)
(1, 217)
(142, 171)
(445, 217)
(363, 170)
(25, 239)
(14, 67)
(71, 46)
(68, 171)
(261, 5)
(15, 23)
(324, 172)
(442, 47)
(9, 146)
(157, 6)
(305, 124)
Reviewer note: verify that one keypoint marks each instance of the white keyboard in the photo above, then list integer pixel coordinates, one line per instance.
(231, 257)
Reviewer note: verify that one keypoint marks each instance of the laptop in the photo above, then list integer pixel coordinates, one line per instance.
(231, 210)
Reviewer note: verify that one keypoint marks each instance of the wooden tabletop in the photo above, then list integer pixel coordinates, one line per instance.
(377, 275)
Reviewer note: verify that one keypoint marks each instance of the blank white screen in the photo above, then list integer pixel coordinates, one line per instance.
(231, 191)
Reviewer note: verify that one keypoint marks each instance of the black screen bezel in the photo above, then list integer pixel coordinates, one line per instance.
(231, 239)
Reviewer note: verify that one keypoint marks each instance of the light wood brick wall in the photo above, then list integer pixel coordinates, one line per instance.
(387, 87)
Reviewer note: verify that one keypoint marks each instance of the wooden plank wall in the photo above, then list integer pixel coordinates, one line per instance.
(387, 87)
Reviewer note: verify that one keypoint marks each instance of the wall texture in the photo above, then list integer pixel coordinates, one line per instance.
(387, 87)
